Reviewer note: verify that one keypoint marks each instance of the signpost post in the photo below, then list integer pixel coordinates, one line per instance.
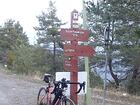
(74, 74)
(73, 50)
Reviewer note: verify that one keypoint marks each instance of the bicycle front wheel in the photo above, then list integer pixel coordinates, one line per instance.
(67, 101)
(42, 98)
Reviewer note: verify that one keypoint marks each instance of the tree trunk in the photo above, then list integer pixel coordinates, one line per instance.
(114, 76)
(135, 73)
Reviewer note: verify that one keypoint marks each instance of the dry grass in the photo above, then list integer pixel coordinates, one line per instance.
(112, 98)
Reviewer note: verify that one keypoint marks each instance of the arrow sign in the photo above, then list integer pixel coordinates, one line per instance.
(74, 34)
(79, 50)
(84, 50)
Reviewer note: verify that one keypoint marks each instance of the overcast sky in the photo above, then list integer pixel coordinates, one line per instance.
(25, 11)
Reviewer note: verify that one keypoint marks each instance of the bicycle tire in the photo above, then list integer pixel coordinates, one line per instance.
(41, 97)
(67, 101)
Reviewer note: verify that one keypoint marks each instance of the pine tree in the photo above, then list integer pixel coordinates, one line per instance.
(123, 18)
(11, 38)
(48, 29)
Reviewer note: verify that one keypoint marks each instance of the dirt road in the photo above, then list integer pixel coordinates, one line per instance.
(15, 90)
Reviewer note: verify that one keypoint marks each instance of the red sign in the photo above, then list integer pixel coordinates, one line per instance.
(74, 34)
(85, 50)
(71, 64)
(69, 50)
(79, 50)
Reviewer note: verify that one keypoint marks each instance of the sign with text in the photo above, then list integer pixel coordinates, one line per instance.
(69, 50)
(74, 19)
(79, 50)
(70, 64)
(74, 34)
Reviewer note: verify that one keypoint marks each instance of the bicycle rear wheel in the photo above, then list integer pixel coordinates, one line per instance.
(67, 101)
(42, 98)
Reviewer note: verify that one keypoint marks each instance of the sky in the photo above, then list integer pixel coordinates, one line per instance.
(25, 11)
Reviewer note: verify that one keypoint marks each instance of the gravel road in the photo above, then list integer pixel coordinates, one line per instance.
(16, 90)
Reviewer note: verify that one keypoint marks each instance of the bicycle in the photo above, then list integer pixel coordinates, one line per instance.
(57, 89)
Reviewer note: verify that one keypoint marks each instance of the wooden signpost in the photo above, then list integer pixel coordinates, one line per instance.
(73, 50)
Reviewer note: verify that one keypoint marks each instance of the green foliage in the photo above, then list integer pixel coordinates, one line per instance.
(23, 60)
(49, 24)
(10, 58)
(11, 37)
(29, 60)
(133, 86)
(124, 45)
(14, 34)
(34, 59)
(43, 60)
(95, 80)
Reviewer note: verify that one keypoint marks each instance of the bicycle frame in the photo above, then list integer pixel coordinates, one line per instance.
(57, 89)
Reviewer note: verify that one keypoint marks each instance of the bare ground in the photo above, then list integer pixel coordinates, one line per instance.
(16, 90)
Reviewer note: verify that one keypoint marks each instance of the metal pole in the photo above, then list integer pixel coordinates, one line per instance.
(54, 54)
(88, 95)
(105, 78)
(106, 37)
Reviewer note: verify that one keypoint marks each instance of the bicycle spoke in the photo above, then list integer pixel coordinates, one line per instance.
(42, 97)
(67, 101)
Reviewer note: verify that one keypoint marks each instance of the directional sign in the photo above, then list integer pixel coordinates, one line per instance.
(79, 50)
(74, 34)
(84, 50)
(71, 64)
(69, 50)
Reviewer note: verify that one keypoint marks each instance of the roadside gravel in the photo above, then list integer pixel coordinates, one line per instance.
(16, 90)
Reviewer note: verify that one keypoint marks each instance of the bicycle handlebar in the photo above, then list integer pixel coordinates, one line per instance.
(82, 85)
(64, 83)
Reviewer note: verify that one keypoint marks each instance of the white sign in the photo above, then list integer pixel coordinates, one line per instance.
(75, 16)
(82, 77)
(74, 19)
